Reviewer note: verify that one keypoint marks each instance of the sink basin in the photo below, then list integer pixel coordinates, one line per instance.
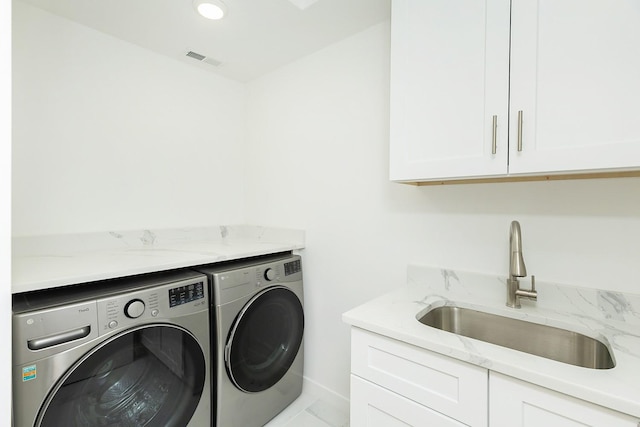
(541, 340)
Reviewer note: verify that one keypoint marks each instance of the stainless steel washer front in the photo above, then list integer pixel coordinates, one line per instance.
(131, 352)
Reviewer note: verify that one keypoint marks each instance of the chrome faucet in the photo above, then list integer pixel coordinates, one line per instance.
(517, 269)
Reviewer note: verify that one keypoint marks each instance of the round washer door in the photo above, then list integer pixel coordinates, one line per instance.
(265, 339)
(148, 376)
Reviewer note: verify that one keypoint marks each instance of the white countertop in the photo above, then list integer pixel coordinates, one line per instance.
(40, 262)
(610, 316)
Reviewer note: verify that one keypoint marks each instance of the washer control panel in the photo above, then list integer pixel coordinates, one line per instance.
(185, 294)
(269, 274)
(134, 308)
(178, 298)
(124, 310)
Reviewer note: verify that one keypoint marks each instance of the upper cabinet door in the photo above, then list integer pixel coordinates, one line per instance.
(449, 78)
(575, 76)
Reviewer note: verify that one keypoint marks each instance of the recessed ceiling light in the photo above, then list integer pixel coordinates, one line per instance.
(210, 9)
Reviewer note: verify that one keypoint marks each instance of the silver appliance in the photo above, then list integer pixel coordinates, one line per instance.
(257, 338)
(126, 352)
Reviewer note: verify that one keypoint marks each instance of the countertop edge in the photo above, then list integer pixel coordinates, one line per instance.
(44, 262)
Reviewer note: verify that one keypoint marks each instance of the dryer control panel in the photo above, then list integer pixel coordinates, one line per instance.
(234, 283)
(292, 267)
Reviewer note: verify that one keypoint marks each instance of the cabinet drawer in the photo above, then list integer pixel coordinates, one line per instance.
(519, 404)
(453, 388)
(374, 406)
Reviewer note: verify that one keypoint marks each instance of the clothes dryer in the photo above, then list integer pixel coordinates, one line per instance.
(257, 342)
(130, 352)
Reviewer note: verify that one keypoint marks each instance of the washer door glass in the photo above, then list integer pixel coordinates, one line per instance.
(149, 376)
(265, 339)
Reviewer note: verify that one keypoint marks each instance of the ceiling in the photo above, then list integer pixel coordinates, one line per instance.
(256, 36)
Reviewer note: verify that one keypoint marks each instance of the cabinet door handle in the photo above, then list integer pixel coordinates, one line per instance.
(520, 130)
(494, 136)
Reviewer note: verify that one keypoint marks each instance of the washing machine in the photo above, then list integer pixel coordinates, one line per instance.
(128, 352)
(257, 341)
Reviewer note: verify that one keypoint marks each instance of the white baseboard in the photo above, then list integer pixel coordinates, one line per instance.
(329, 396)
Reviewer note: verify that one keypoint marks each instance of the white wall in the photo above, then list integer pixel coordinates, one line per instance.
(318, 141)
(111, 136)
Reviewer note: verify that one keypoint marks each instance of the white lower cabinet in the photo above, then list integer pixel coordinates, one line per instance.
(375, 406)
(515, 403)
(394, 383)
(398, 384)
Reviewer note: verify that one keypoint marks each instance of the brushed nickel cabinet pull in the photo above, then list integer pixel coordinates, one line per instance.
(494, 137)
(520, 130)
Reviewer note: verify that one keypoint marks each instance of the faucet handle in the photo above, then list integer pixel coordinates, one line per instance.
(533, 283)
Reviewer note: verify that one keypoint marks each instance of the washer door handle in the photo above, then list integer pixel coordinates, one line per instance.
(61, 338)
(227, 353)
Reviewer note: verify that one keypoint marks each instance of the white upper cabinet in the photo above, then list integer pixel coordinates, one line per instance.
(449, 77)
(559, 76)
(575, 75)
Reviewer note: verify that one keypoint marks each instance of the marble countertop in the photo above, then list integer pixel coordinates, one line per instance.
(40, 262)
(610, 316)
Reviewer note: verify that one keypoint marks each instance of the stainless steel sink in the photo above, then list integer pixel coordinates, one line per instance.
(541, 340)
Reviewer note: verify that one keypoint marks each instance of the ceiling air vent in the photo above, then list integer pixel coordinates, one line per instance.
(192, 54)
(202, 58)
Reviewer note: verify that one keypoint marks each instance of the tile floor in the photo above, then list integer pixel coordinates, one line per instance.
(310, 411)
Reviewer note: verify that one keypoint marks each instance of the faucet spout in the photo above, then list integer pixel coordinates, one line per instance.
(517, 269)
(516, 261)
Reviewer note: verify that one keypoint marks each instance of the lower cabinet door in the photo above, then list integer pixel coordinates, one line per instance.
(516, 403)
(451, 387)
(375, 406)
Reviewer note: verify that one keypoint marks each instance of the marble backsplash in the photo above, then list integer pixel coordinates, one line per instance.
(583, 303)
